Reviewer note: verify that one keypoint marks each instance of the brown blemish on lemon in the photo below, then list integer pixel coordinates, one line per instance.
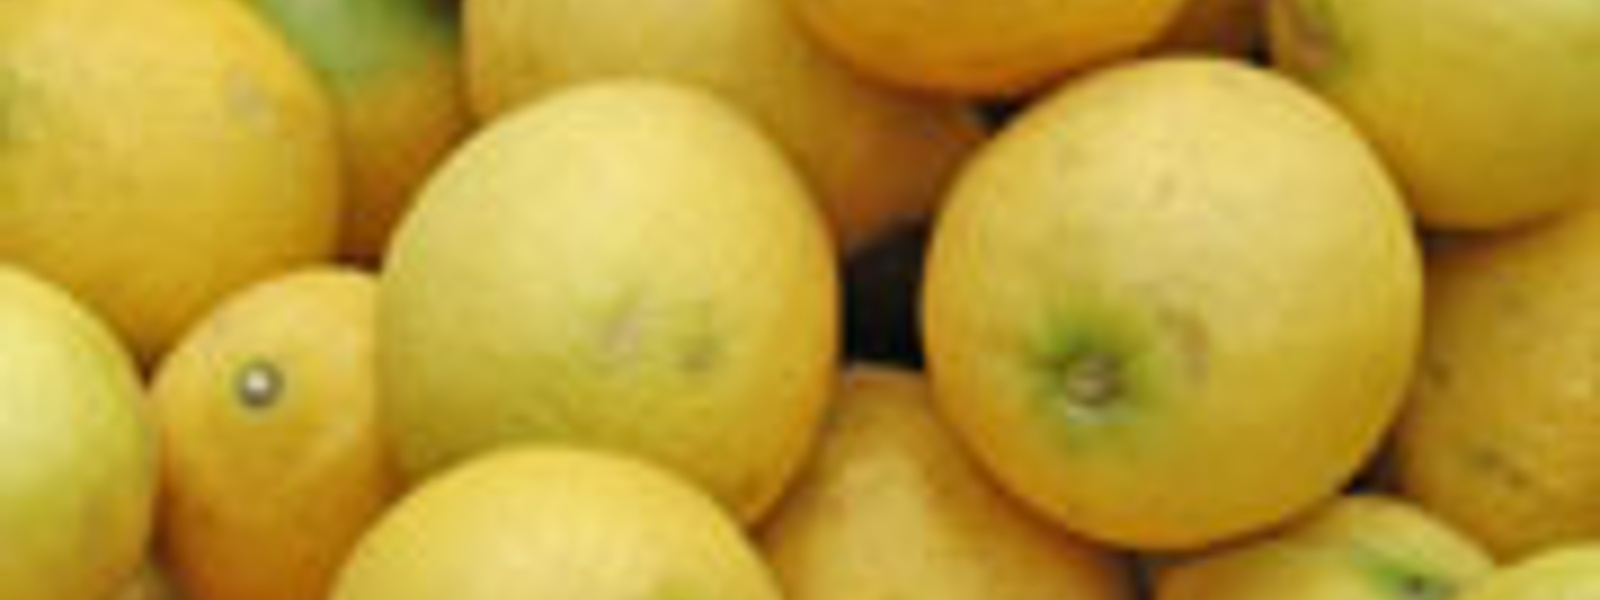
(698, 346)
(701, 354)
(684, 338)
(1435, 375)
(1310, 22)
(1494, 463)
(1192, 340)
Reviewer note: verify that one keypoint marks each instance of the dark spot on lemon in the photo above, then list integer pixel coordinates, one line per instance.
(259, 384)
(1420, 587)
(1401, 580)
(642, 331)
(702, 353)
(1435, 375)
(696, 344)
(1495, 464)
(1515, 302)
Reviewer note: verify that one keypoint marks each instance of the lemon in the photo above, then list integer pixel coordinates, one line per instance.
(156, 155)
(1481, 113)
(891, 507)
(1502, 429)
(1173, 304)
(631, 265)
(274, 459)
(77, 460)
(556, 523)
(983, 47)
(1356, 548)
(878, 158)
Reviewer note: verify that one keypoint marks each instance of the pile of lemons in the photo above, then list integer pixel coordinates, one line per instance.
(438, 300)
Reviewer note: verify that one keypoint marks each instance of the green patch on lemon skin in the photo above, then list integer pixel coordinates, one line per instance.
(1096, 370)
(1397, 579)
(350, 42)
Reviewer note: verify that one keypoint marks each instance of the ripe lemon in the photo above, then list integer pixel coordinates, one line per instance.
(630, 265)
(158, 154)
(1358, 548)
(1567, 573)
(394, 70)
(274, 460)
(1173, 304)
(891, 507)
(77, 461)
(1503, 430)
(1480, 106)
(556, 523)
(983, 47)
(878, 158)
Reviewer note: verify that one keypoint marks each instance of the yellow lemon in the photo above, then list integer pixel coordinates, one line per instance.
(983, 47)
(157, 154)
(630, 265)
(891, 507)
(394, 69)
(77, 461)
(1357, 548)
(1503, 429)
(877, 158)
(1173, 304)
(274, 460)
(1482, 107)
(556, 523)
